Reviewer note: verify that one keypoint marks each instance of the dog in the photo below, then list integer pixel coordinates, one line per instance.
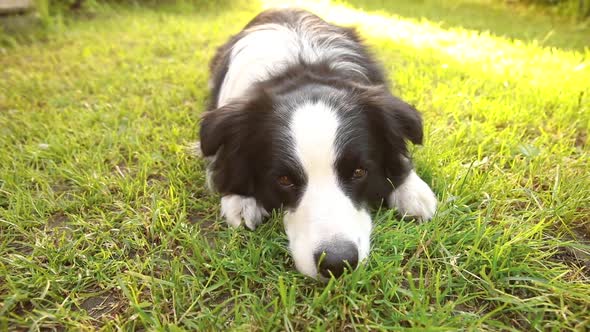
(301, 118)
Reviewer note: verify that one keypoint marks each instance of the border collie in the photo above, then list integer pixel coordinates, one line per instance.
(301, 118)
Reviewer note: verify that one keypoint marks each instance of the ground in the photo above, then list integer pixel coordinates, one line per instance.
(105, 222)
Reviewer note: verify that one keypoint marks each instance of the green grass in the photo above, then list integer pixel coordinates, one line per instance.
(105, 222)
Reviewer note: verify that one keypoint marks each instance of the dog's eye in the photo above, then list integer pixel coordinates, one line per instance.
(285, 181)
(359, 173)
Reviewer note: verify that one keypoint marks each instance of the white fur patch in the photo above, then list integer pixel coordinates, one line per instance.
(236, 208)
(324, 213)
(268, 49)
(414, 198)
(209, 179)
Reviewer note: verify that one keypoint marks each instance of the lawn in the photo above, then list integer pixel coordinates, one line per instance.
(105, 222)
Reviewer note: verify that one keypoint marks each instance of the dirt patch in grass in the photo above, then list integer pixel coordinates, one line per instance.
(121, 169)
(155, 177)
(207, 225)
(581, 139)
(201, 219)
(61, 187)
(577, 258)
(56, 220)
(23, 308)
(104, 306)
(57, 226)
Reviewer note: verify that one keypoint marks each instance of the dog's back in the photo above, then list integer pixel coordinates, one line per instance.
(277, 39)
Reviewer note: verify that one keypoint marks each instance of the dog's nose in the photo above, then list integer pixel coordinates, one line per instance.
(336, 256)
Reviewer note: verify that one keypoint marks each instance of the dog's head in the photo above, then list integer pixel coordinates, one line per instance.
(324, 152)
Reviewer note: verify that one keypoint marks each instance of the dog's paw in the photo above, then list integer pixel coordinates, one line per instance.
(414, 198)
(235, 208)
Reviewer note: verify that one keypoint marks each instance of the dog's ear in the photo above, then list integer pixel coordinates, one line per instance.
(223, 134)
(229, 134)
(220, 125)
(392, 116)
(393, 121)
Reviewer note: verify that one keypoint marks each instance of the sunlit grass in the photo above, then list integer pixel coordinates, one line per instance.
(520, 61)
(104, 220)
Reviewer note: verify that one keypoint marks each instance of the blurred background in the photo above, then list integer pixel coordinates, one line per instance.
(22, 20)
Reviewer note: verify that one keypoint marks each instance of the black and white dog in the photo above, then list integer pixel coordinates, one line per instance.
(301, 118)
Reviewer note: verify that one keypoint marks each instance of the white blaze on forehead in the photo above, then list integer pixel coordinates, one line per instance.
(314, 128)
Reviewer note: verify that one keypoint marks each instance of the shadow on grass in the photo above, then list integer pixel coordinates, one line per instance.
(516, 22)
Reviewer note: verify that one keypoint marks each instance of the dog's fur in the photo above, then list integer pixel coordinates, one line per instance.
(301, 118)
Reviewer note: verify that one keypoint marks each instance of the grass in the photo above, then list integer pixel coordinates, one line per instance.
(105, 222)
